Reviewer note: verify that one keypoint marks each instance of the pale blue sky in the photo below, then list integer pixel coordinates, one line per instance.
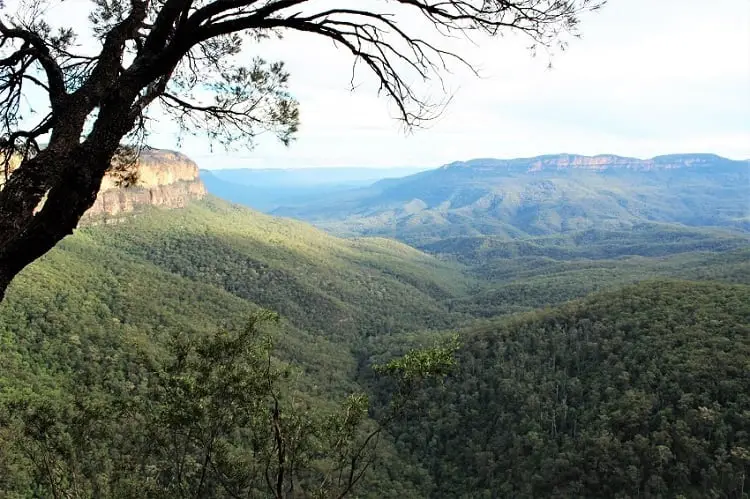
(648, 77)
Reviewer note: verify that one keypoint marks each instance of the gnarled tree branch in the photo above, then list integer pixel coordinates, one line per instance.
(183, 57)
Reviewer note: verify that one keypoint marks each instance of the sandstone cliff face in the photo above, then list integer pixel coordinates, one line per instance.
(166, 179)
(598, 163)
(606, 161)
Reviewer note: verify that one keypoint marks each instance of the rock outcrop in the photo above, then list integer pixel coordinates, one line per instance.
(598, 163)
(166, 179)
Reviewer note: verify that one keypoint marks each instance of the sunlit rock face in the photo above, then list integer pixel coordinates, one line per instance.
(600, 162)
(166, 179)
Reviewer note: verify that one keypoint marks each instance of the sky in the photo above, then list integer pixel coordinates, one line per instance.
(648, 77)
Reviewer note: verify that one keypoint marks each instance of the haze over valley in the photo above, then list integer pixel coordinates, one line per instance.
(519, 198)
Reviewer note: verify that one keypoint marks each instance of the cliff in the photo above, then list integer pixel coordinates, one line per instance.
(599, 163)
(166, 179)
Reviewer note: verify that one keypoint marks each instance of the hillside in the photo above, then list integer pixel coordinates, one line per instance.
(521, 275)
(639, 392)
(319, 282)
(541, 195)
(645, 240)
(84, 322)
(82, 328)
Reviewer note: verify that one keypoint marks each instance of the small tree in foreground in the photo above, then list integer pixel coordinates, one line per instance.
(213, 417)
(185, 58)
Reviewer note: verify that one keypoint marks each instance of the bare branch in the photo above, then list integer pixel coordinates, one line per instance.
(184, 58)
(37, 48)
(388, 51)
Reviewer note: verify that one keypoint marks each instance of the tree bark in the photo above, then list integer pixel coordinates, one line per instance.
(70, 177)
(4, 282)
(26, 239)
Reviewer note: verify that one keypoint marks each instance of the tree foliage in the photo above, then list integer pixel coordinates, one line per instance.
(211, 416)
(639, 392)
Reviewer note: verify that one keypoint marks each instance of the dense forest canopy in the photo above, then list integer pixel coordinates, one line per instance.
(554, 326)
(640, 392)
(128, 335)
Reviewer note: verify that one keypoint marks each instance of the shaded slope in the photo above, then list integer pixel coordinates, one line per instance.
(634, 393)
(210, 264)
(319, 282)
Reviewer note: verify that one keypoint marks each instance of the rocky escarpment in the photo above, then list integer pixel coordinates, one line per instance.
(599, 162)
(165, 179)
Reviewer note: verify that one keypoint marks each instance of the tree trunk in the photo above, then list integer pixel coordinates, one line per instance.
(4, 282)
(70, 174)
(24, 239)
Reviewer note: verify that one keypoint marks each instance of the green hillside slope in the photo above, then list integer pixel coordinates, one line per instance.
(75, 325)
(80, 316)
(325, 284)
(641, 392)
(515, 275)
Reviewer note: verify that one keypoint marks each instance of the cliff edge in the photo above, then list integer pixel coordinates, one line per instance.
(166, 179)
(598, 163)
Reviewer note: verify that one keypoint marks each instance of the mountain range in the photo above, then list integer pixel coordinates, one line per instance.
(540, 195)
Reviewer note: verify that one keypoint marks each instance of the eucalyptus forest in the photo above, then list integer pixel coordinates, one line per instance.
(456, 308)
(142, 358)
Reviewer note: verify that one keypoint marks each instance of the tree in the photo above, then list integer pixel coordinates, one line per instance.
(215, 416)
(170, 55)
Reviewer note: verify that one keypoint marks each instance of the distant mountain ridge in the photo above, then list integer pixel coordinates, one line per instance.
(597, 162)
(267, 189)
(541, 195)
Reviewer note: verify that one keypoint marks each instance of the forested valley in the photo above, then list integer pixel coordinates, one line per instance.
(214, 351)
(424, 249)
